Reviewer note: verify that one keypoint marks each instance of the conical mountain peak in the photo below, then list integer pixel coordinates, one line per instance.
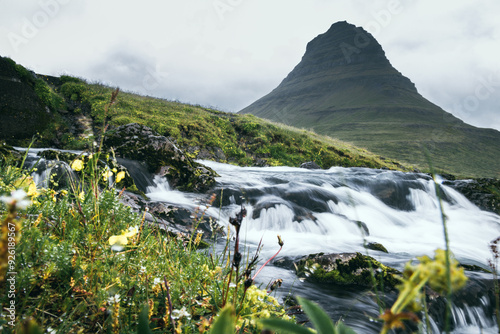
(345, 87)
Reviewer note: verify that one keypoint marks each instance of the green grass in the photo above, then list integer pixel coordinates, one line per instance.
(244, 139)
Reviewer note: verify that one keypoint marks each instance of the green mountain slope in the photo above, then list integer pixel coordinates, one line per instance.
(204, 133)
(346, 88)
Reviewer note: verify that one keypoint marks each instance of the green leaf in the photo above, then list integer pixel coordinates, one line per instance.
(321, 321)
(343, 329)
(143, 326)
(284, 326)
(224, 324)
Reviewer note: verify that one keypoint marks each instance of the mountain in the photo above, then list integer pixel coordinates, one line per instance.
(346, 88)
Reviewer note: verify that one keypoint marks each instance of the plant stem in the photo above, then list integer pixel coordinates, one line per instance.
(447, 257)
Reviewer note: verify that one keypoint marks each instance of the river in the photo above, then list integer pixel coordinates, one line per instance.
(322, 211)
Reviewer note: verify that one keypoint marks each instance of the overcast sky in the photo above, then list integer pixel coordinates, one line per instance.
(228, 53)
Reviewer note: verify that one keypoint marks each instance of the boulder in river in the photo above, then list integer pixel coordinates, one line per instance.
(353, 269)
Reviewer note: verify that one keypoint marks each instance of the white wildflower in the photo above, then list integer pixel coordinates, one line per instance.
(177, 314)
(17, 198)
(114, 299)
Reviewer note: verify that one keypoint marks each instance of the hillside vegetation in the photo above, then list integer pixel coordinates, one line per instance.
(203, 133)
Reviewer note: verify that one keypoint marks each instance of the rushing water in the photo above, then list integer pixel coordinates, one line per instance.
(322, 211)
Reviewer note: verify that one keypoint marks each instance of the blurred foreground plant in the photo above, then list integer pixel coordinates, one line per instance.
(429, 271)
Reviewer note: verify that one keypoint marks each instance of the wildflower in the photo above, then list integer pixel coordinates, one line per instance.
(32, 192)
(23, 182)
(132, 231)
(395, 320)
(151, 305)
(177, 314)
(17, 199)
(437, 272)
(197, 240)
(428, 271)
(106, 174)
(77, 165)
(81, 196)
(114, 299)
(118, 241)
(120, 176)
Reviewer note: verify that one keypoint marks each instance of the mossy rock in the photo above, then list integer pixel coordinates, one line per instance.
(67, 157)
(161, 155)
(9, 154)
(353, 269)
(377, 247)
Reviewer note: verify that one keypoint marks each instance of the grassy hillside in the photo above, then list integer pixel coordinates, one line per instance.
(202, 132)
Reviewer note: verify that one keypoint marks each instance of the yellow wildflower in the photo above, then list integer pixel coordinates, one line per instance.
(132, 231)
(120, 176)
(23, 182)
(106, 175)
(437, 272)
(77, 165)
(32, 192)
(117, 242)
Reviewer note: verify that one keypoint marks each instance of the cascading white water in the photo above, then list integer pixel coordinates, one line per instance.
(333, 210)
(318, 211)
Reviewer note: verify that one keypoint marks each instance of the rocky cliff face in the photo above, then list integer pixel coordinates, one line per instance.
(22, 113)
(345, 87)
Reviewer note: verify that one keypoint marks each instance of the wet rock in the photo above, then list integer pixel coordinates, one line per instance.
(310, 165)
(174, 220)
(22, 112)
(8, 153)
(207, 153)
(474, 304)
(67, 157)
(485, 192)
(161, 155)
(377, 247)
(345, 269)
